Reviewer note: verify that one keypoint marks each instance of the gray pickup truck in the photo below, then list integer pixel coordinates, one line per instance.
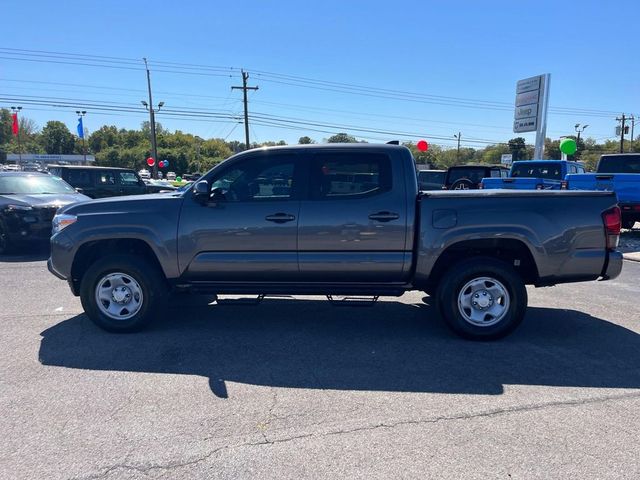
(333, 220)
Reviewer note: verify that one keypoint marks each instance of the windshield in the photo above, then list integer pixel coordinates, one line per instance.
(537, 170)
(33, 185)
(619, 164)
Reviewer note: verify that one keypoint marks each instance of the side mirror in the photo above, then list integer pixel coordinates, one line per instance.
(201, 191)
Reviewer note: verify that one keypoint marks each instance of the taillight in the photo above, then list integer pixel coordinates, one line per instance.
(564, 185)
(612, 219)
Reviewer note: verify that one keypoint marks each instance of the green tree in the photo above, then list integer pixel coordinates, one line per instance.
(56, 138)
(305, 140)
(518, 148)
(342, 138)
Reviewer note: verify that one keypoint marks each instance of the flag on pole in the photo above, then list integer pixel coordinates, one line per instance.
(80, 128)
(15, 126)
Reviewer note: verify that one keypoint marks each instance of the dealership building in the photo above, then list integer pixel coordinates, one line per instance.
(44, 160)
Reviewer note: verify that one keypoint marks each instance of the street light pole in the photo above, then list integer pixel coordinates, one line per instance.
(82, 113)
(16, 110)
(579, 131)
(458, 136)
(152, 121)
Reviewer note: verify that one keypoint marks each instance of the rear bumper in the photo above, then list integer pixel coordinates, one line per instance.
(613, 267)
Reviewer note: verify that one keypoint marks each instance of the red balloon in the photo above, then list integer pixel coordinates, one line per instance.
(151, 162)
(422, 145)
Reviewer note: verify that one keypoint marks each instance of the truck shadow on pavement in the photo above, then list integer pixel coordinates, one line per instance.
(391, 347)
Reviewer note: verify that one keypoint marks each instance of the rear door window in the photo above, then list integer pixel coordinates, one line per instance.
(105, 178)
(345, 175)
(79, 178)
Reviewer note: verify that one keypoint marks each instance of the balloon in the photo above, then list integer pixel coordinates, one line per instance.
(165, 163)
(422, 145)
(150, 161)
(568, 146)
(178, 179)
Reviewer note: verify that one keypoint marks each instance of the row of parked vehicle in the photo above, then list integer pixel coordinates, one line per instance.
(30, 199)
(618, 173)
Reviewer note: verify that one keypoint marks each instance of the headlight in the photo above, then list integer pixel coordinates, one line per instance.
(18, 208)
(62, 221)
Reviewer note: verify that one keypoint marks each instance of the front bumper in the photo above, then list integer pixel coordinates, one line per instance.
(53, 270)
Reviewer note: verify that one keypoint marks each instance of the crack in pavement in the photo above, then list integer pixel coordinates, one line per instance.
(468, 416)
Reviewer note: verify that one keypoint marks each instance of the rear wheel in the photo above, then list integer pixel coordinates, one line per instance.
(122, 293)
(463, 184)
(482, 298)
(628, 224)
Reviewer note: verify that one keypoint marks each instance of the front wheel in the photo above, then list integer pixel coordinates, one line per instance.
(482, 298)
(122, 293)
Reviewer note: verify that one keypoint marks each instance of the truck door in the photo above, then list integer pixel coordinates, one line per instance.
(248, 230)
(354, 224)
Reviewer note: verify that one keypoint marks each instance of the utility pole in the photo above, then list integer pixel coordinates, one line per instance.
(152, 121)
(16, 110)
(622, 119)
(458, 136)
(633, 122)
(244, 88)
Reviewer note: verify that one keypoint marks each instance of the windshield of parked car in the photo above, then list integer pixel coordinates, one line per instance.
(537, 170)
(33, 185)
(619, 164)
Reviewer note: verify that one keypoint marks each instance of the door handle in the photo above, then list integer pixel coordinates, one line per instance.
(384, 216)
(280, 218)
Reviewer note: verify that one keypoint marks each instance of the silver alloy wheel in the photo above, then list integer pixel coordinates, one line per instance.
(119, 296)
(483, 301)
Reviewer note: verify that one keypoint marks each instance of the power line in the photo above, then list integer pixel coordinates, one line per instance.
(294, 80)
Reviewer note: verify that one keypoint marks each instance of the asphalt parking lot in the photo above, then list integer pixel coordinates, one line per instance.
(296, 387)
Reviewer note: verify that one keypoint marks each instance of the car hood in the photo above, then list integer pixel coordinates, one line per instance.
(126, 204)
(43, 200)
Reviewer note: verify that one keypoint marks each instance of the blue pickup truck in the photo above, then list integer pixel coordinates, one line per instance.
(619, 173)
(535, 175)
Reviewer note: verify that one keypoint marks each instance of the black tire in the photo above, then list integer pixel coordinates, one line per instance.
(628, 224)
(463, 184)
(471, 276)
(148, 280)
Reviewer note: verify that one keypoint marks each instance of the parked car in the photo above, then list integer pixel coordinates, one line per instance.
(159, 186)
(536, 175)
(28, 203)
(100, 182)
(469, 177)
(144, 174)
(282, 221)
(431, 179)
(171, 176)
(619, 173)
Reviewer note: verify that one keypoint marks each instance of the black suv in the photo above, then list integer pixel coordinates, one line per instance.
(100, 182)
(469, 177)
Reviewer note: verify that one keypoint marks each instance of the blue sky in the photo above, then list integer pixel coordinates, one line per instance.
(444, 51)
